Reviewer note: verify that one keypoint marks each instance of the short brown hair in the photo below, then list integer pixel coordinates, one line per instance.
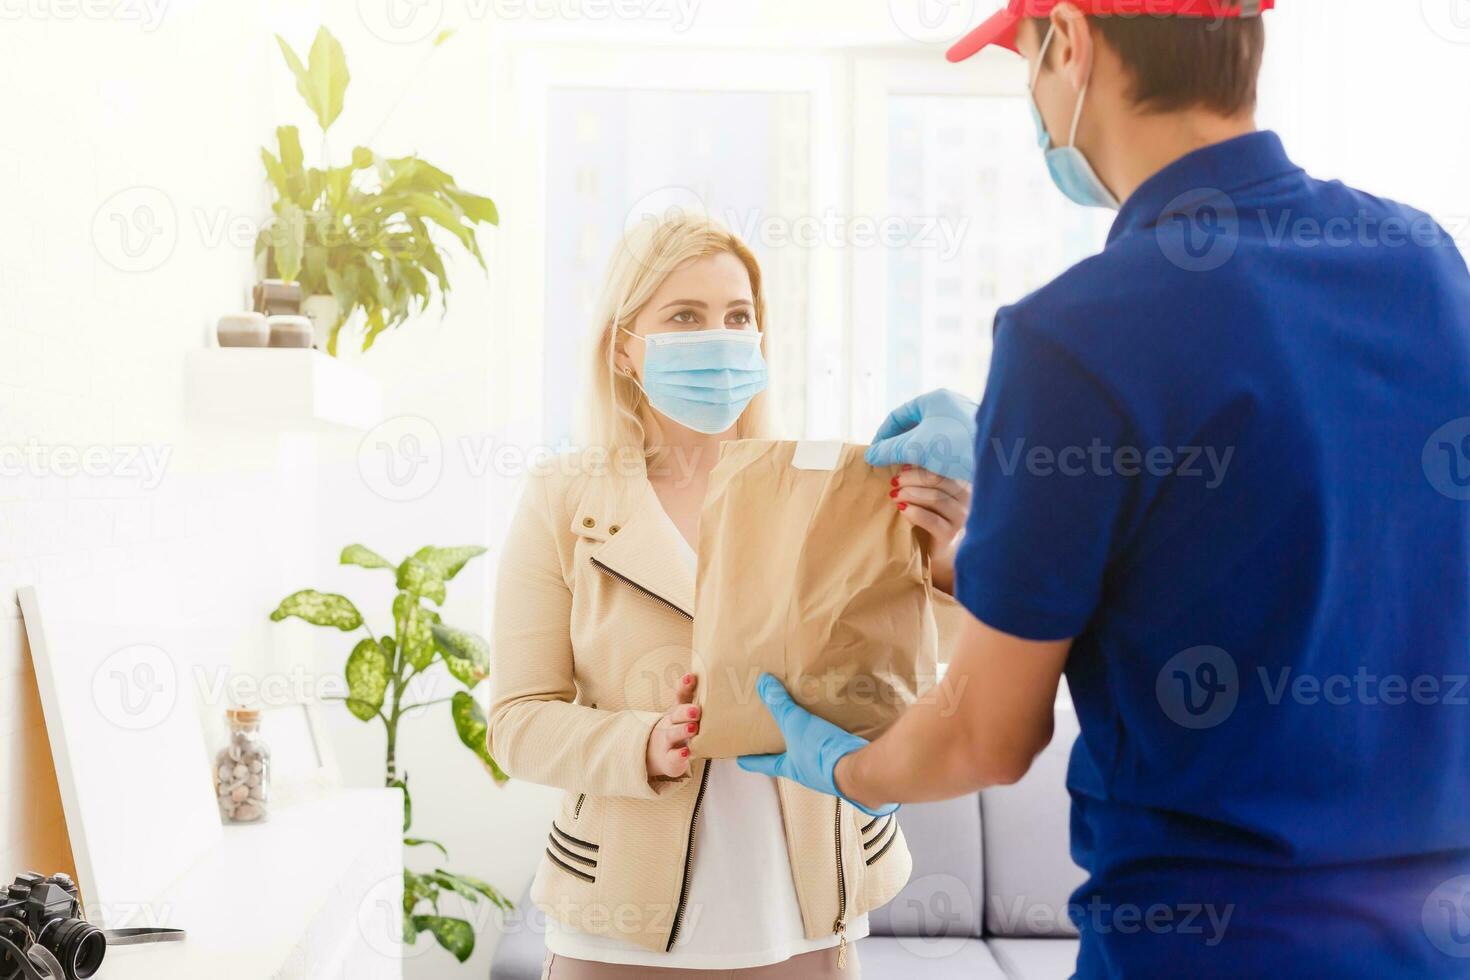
(1184, 62)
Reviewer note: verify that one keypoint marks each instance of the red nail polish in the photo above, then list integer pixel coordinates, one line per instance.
(688, 678)
(906, 467)
(903, 506)
(895, 481)
(893, 493)
(683, 753)
(692, 729)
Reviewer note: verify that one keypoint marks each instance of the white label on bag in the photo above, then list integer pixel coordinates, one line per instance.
(816, 455)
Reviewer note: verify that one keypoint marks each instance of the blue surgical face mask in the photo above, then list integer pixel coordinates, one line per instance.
(1070, 169)
(703, 379)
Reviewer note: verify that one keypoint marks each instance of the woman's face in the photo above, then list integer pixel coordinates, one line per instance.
(710, 293)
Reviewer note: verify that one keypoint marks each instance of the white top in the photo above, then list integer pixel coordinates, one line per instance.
(742, 910)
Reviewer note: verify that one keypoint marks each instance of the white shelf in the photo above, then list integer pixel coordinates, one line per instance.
(277, 388)
(307, 895)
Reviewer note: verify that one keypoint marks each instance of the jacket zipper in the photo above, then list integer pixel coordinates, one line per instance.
(688, 863)
(703, 778)
(648, 592)
(577, 810)
(840, 926)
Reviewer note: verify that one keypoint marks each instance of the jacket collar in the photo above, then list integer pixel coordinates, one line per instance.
(640, 542)
(1211, 172)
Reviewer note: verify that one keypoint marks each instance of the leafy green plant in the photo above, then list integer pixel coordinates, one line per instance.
(380, 672)
(363, 232)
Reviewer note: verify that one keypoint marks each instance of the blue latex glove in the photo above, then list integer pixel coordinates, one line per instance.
(813, 746)
(935, 432)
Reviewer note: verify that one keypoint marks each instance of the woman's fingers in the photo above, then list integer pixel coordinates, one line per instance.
(915, 477)
(673, 751)
(936, 500)
(942, 519)
(938, 528)
(934, 504)
(668, 742)
(672, 734)
(675, 764)
(678, 736)
(678, 760)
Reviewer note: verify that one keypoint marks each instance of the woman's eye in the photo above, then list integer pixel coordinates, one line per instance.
(741, 319)
(683, 316)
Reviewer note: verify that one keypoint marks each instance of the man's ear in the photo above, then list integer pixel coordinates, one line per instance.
(1072, 49)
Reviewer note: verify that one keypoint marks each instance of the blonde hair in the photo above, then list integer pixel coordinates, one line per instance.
(619, 420)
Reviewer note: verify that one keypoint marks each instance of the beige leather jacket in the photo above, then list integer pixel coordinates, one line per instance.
(593, 626)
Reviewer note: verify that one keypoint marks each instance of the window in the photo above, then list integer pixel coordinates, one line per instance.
(999, 235)
(955, 151)
(616, 156)
(869, 142)
(894, 203)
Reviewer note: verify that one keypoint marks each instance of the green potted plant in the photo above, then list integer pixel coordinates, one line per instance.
(360, 238)
(380, 671)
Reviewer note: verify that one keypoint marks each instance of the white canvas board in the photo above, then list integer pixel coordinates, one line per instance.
(131, 760)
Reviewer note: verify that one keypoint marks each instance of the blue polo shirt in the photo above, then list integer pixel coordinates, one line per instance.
(1230, 456)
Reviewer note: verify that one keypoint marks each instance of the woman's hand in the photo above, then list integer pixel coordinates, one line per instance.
(668, 742)
(938, 506)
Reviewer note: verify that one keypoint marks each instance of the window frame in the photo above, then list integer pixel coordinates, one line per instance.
(847, 89)
(876, 79)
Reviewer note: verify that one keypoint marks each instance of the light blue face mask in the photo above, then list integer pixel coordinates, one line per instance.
(703, 379)
(1070, 170)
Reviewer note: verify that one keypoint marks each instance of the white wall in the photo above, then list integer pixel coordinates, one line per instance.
(117, 127)
(451, 385)
(111, 121)
(1377, 95)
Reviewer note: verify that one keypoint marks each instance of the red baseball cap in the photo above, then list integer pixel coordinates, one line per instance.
(1001, 28)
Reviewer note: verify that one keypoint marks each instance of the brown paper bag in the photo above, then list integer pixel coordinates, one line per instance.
(806, 571)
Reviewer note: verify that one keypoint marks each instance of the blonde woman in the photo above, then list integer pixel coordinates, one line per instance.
(657, 864)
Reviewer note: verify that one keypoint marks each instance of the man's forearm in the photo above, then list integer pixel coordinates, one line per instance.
(930, 754)
(982, 725)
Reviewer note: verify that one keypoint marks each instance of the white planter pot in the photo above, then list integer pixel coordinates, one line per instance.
(322, 311)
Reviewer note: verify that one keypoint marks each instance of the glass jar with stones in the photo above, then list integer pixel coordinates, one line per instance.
(242, 770)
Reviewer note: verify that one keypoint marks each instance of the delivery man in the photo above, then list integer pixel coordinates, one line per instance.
(1222, 481)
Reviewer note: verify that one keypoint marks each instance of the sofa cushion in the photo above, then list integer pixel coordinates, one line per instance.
(907, 958)
(1035, 959)
(942, 897)
(521, 952)
(1029, 874)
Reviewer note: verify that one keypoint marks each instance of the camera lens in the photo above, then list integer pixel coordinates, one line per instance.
(79, 945)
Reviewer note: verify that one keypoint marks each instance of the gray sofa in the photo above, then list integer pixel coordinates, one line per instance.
(987, 899)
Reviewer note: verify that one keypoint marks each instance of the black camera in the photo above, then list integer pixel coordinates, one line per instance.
(46, 912)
